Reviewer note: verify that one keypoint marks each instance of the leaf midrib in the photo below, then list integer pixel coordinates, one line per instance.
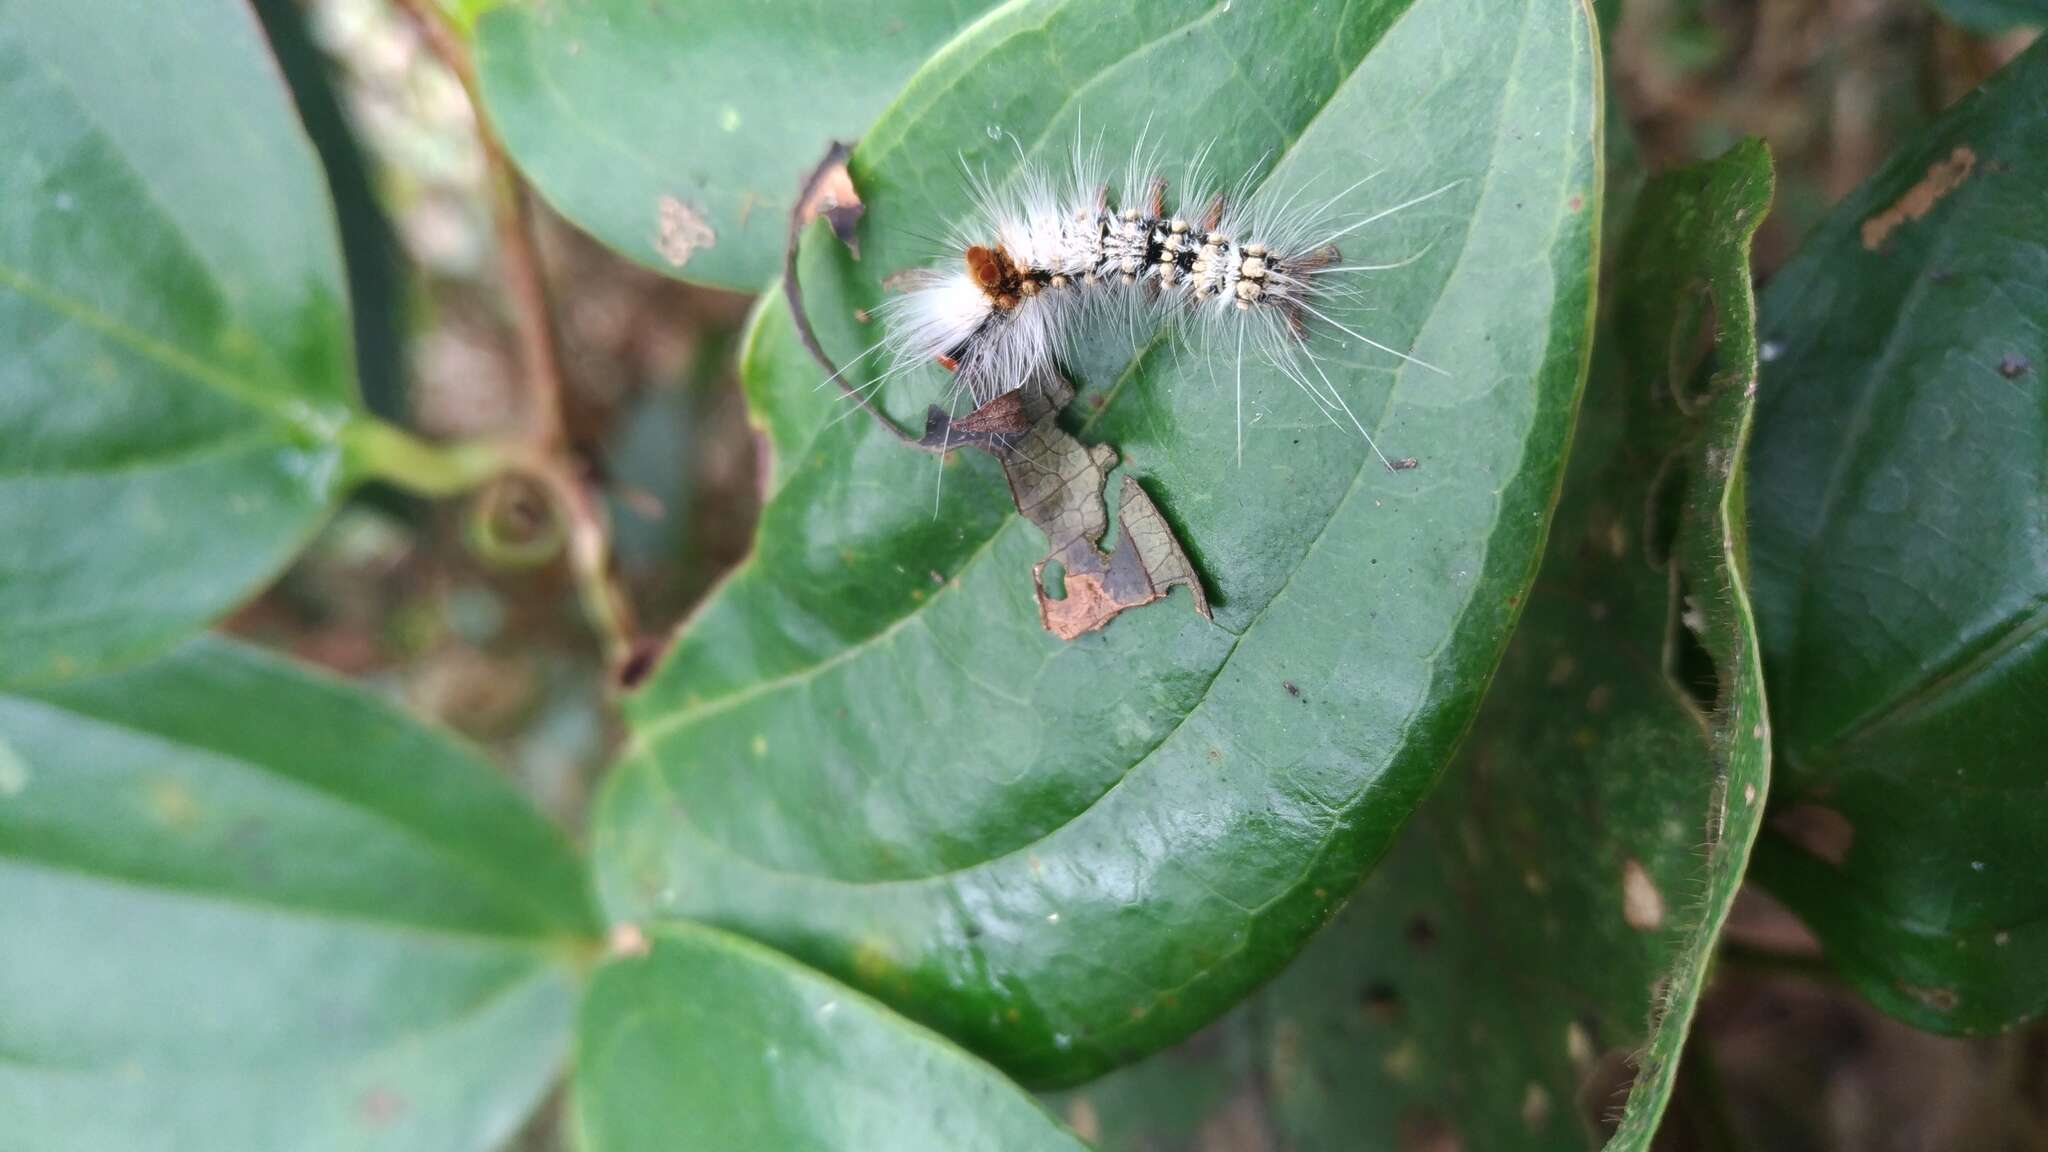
(479, 871)
(173, 359)
(293, 412)
(468, 1014)
(558, 948)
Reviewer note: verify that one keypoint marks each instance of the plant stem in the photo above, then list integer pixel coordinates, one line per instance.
(420, 466)
(586, 528)
(525, 283)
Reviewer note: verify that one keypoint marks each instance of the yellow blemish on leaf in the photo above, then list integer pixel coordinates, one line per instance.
(872, 963)
(1402, 1062)
(172, 804)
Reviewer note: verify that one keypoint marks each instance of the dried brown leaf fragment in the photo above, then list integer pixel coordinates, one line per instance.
(1059, 484)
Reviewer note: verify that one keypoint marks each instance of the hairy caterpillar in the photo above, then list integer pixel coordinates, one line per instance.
(1038, 266)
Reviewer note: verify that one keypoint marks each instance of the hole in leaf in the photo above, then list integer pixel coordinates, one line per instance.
(1054, 579)
(1691, 358)
(1603, 1091)
(1686, 659)
(1663, 508)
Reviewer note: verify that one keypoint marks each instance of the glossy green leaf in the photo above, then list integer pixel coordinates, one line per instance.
(679, 133)
(712, 1041)
(1534, 946)
(867, 752)
(176, 406)
(242, 907)
(1900, 514)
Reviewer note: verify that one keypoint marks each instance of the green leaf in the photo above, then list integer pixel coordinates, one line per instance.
(867, 752)
(710, 1041)
(1541, 931)
(678, 133)
(1900, 515)
(176, 407)
(242, 907)
(1995, 15)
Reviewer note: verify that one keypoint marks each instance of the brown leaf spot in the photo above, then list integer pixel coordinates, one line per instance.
(1421, 933)
(1940, 999)
(1381, 1002)
(2012, 366)
(1641, 904)
(378, 1107)
(640, 660)
(1284, 1058)
(1241, 1125)
(1943, 177)
(1082, 1119)
(1420, 1131)
(829, 192)
(1824, 833)
(1086, 606)
(679, 230)
(626, 940)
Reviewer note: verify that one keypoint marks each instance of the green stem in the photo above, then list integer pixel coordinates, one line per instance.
(394, 455)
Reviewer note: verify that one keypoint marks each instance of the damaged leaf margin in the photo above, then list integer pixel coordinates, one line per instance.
(1702, 332)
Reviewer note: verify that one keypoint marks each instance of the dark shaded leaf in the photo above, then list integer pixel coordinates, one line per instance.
(242, 907)
(711, 1041)
(1900, 514)
(866, 751)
